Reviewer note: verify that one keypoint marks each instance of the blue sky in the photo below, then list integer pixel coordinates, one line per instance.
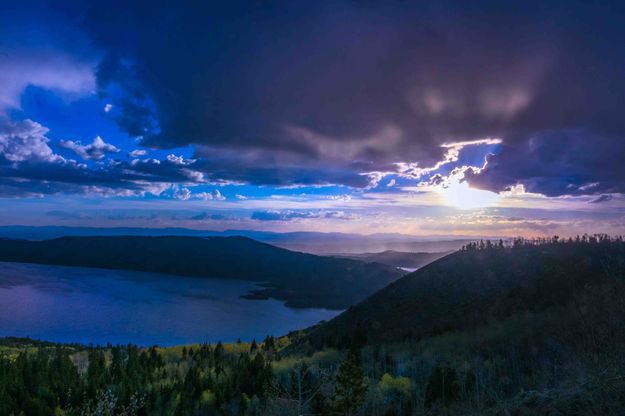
(438, 119)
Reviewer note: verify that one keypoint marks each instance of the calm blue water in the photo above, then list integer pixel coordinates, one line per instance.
(70, 304)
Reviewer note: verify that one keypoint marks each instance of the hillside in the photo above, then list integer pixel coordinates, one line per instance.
(470, 288)
(403, 259)
(302, 280)
(533, 329)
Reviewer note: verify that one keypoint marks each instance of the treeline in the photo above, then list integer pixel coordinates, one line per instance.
(235, 379)
(127, 380)
(519, 242)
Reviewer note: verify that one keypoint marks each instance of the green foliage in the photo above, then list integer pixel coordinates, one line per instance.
(127, 380)
(351, 386)
(395, 388)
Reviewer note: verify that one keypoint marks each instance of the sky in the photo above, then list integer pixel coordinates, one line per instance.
(486, 118)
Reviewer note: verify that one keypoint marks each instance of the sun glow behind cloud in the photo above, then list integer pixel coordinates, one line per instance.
(459, 194)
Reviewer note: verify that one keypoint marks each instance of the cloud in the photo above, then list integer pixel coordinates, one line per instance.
(555, 163)
(30, 168)
(60, 72)
(359, 88)
(485, 223)
(68, 215)
(138, 153)
(274, 215)
(93, 151)
(207, 216)
(25, 140)
(39, 48)
(601, 198)
(179, 160)
(182, 194)
(207, 196)
(240, 197)
(343, 95)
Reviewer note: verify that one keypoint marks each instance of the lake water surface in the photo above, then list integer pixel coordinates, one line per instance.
(71, 304)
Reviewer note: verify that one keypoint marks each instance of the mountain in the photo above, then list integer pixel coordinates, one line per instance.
(471, 288)
(532, 329)
(306, 241)
(332, 243)
(402, 259)
(302, 280)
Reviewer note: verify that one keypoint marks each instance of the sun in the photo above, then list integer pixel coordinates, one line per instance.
(460, 195)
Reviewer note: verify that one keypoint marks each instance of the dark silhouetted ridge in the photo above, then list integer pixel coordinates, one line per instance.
(471, 288)
(303, 280)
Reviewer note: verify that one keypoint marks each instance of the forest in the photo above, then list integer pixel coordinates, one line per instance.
(545, 354)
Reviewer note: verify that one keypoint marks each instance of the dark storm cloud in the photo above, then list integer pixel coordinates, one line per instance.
(308, 93)
(357, 82)
(262, 167)
(565, 162)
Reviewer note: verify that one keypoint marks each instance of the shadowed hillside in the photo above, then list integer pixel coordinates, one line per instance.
(471, 287)
(303, 280)
(531, 329)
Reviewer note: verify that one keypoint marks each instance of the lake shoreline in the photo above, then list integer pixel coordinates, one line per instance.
(100, 306)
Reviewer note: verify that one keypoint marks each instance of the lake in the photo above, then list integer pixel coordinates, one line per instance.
(72, 304)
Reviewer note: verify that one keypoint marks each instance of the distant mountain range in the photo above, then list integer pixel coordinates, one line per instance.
(302, 280)
(310, 242)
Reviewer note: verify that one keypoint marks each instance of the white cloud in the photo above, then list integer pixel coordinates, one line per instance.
(149, 161)
(138, 152)
(414, 171)
(94, 151)
(25, 140)
(342, 197)
(179, 160)
(183, 194)
(240, 197)
(208, 196)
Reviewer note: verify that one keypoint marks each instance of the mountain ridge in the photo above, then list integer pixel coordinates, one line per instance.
(323, 243)
(466, 289)
(300, 279)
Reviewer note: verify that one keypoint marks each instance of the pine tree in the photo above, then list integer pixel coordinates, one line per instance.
(442, 386)
(351, 386)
